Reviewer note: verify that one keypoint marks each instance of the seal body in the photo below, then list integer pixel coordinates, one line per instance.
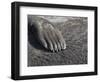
(48, 36)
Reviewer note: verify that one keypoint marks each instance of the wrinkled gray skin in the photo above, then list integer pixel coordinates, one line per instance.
(48, 36)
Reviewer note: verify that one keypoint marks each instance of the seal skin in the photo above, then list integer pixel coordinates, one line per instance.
(48, 36)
